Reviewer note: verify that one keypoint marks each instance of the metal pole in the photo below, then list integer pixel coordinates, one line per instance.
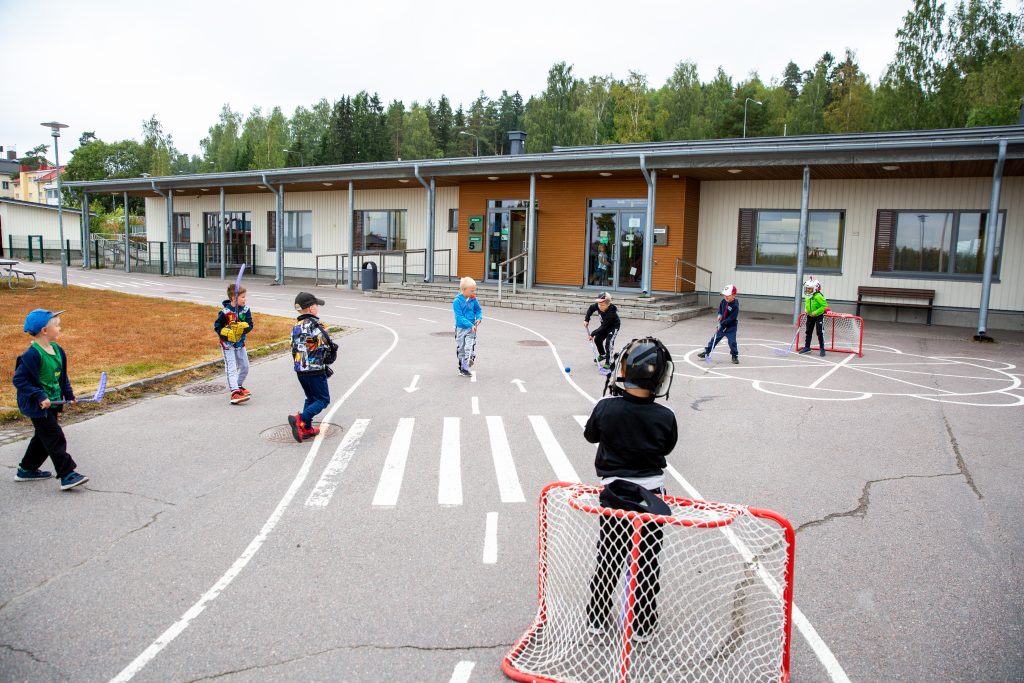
(85, 230)
(648, 253)
(280, 234)
(60, 214)
(170, 231)
(801, 245)
(531, 232)
(351, 236)
(223, 229)
(127, 242)
(991, 228)
(431, 226)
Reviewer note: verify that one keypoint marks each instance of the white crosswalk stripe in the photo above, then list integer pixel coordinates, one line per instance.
(449, 459)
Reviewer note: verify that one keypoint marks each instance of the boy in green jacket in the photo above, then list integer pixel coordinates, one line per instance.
(816, 306)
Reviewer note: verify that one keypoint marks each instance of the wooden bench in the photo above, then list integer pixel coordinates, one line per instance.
(14, 275)
(897, 293)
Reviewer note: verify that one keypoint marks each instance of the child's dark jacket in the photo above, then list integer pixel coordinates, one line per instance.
(729, 312)
(30, 389)
(609, 318)
(228, 315)
(633, 436)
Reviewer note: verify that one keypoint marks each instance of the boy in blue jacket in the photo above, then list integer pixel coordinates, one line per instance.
(468, 316)
(728, 317)
(41, 376)
(232, 325)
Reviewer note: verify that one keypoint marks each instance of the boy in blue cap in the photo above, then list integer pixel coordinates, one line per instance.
(41, 376)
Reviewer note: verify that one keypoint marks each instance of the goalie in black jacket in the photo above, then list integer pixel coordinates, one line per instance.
(634, 434)
(604, 336)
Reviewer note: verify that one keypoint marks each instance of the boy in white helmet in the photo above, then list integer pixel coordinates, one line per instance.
(815, 306)
(728, 317)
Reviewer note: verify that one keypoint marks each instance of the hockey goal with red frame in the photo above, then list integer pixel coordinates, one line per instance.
(717, 604)
(844, 333)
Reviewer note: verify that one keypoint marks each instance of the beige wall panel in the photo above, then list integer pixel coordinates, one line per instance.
(720, 202)
(25, 220)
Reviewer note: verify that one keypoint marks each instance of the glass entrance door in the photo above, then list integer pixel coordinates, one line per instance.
(506, 237)
(237, 234)
(615, 248)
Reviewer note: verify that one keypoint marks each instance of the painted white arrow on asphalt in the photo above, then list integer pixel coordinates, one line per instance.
(519, 383)
(412, 385)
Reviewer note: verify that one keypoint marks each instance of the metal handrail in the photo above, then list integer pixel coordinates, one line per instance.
(512, 275)
(680, 261)
(379, 258)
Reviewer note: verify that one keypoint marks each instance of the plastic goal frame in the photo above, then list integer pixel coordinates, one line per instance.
(548, 650)
(844, 333)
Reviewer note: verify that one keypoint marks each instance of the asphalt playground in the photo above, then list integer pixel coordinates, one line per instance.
(401, 544)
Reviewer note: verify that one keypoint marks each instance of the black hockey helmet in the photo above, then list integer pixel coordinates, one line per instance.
(642, 364)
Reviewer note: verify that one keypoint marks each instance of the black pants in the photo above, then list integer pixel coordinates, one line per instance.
(815, 323)
(604, 340)
(48, 440)
(613, 559)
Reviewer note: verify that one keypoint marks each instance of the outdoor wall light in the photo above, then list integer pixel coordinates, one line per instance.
(604, 174)
(546, 175)
(326, 184)
(890, 168)
(403, 180)
(735, 170)
(492, 177)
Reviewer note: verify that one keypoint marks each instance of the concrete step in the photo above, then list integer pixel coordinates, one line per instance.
(666, 308)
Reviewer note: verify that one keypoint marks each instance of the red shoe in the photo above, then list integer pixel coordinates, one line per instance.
(238, 396)
(245, 391)
(311, 432)
(295, 422)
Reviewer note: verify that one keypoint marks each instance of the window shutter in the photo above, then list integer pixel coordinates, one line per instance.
(745, 238)
(885, 237)
(271, 230)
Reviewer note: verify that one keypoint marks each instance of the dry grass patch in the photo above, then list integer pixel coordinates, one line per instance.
(130, 337)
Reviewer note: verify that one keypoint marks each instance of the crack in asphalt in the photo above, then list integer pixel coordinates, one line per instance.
(865, 499)
(31, 655)
(695, 405)
(131, 493)
(960, 463)
(74, 567)
(418, 648)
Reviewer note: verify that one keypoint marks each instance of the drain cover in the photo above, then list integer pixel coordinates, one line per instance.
(206, 389)
(283, 433)
(531, 342)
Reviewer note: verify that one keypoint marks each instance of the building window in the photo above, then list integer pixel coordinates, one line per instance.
(453, 220)
(379, 230)
(298, 231)
(768, 239)
(7, 185)
(937, 244)
(182, 229)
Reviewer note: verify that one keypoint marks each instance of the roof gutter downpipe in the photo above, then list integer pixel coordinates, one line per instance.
(801, 245)
(991, 233)
(169, 202)
(428, 258)
(278, 229)
(648, 256)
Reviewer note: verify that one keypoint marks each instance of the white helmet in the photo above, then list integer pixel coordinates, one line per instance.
(811, 286)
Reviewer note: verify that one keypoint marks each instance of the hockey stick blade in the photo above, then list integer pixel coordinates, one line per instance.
(96, 398)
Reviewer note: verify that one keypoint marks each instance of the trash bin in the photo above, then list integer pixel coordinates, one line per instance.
(369, 276)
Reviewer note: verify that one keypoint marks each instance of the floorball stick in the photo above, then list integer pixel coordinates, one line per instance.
(786, 351)
(238, 280)
(714, 342)
(100, 390)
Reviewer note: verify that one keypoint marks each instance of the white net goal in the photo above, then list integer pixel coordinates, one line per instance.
(703, 594)
(844, 333)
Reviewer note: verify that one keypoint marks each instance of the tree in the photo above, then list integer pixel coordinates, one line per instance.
(597, 109)
(394, 124)
(912, 78)
(552, 118)
(679, 104)
(850, 108)
(791, 80)
(417, 139)
(807, 115)
(632, 118)
(443, 127)
(220, 149)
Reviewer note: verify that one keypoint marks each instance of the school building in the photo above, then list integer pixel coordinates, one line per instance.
(900, 210)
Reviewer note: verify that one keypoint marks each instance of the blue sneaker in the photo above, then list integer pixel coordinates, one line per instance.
(464, 367)
(31, 475)
(71, 480)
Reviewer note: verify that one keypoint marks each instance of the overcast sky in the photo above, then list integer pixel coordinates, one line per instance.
(107, 65)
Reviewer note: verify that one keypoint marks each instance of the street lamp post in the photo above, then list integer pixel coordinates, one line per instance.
(749, 99)
(55, 132)
(301, 161)
(475, 137)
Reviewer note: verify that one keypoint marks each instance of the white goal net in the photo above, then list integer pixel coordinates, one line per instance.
(844, 333)
(703, 594)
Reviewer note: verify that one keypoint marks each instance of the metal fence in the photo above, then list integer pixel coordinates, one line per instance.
(399, 265)
(35, 248)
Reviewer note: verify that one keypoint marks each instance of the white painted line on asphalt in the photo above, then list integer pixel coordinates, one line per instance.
(581, 419)
(564, 471)
(491, 539)
(432, 322)
(504, 467)
(175, 629)
(449, 480)
(927, 388)
(321, 494)
(475, 403)
(462, 672)
(394, 465)
(390, 313)
(472, 375)
(834, 368)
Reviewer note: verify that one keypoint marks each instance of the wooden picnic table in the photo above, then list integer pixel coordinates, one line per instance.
(13, 273)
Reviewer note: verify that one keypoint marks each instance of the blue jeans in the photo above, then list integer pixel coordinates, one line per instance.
(730, 336)
(318, 396)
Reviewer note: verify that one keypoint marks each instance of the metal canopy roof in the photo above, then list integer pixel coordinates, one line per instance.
(962, 152)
